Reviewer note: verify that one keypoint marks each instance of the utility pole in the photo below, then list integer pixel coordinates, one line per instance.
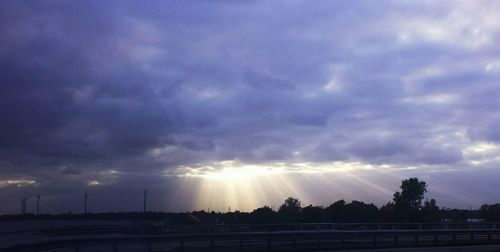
(145, 198)
(38, 204)
(85, 196)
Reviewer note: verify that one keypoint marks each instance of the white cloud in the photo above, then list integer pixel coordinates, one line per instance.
(16, 182)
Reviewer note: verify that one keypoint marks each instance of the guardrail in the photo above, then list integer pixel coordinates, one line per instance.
(221, 228)
(273, 241)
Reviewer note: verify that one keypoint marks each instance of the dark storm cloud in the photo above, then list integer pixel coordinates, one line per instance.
(139, 88)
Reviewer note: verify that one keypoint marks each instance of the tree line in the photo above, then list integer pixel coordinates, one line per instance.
(407, 205)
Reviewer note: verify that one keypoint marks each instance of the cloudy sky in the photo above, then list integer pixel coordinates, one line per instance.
(217, 104)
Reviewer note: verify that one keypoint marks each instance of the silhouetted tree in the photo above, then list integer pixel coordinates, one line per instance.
(359, 211)
(356, 211)
(335, 211)
(408, 202)
(388, 212)
(430, 212)
(290, 210)
(483, 211)
(490, 212)
(262, 215)
(292, 204)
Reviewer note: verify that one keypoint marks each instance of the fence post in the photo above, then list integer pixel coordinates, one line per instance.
(242, 245)
(149, 247)
(374, 241)
(396, 240)
(115, 247)
(269, 244)
(416, 240)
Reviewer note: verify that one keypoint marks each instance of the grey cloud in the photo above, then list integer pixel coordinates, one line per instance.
(199, 145)
(88, 87)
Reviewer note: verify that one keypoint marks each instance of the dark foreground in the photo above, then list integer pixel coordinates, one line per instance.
(185, 238)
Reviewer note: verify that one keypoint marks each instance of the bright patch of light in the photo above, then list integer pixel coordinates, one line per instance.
(335, 82)
(332, 86)
(94, 183)
(110, 172)
(432, 99)
(493, 67)
(16, 182)
(207, 93)
(482, 153)
(162, 152)
(244, 186)
(480, 148)
(462, 27)
(231, 170)
(477, 162)
(236, 173)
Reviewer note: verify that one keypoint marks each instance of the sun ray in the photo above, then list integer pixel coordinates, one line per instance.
(242, 186)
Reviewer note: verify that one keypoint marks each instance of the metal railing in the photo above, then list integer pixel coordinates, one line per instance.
(231, 228)
(273, 241)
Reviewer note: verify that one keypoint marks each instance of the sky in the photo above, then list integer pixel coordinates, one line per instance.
(239, 104)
